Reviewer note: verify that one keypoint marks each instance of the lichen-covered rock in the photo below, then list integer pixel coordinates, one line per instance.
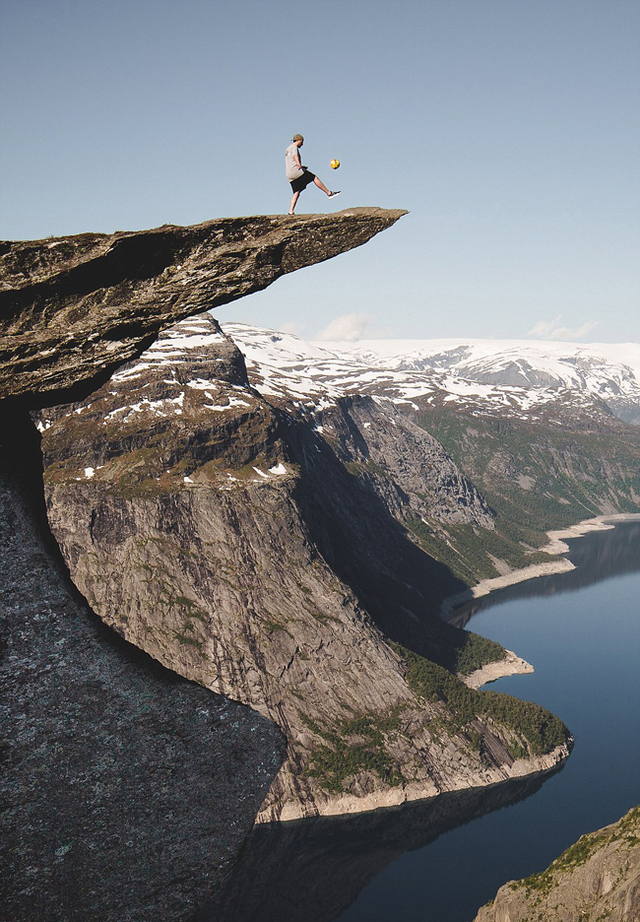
(72, 309)
(598, 878)
(126, 791)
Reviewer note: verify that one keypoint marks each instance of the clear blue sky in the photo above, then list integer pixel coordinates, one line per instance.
(508, 128)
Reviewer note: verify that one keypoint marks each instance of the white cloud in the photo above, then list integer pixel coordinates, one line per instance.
(552, 329)
(347, 328)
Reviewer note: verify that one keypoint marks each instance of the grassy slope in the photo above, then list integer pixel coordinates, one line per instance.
(536, 476)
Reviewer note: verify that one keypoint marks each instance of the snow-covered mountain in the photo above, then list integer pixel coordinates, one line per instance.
(517, 377)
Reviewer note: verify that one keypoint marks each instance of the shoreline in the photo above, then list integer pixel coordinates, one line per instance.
(555, 545)
(512, 664)
(412, 792)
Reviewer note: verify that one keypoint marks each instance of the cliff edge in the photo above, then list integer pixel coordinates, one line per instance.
(72, 309)
(127, 791)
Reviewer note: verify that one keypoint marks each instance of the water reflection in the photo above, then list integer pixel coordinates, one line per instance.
(311, 871)
(597, 556)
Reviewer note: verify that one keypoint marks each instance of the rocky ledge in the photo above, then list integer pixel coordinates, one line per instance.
(72, 309)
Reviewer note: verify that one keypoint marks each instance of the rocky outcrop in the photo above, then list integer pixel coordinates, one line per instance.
(126, 790)
(245, 548)
(72, 309)
(597, 878)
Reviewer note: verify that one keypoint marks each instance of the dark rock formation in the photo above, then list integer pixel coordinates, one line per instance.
(597, 878)
(245, 549)
(126, 791)
(73, 309)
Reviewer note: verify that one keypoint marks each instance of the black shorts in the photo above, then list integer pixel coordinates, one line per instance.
(303, 181)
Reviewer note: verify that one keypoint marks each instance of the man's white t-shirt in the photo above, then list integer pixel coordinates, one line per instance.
(291, 168)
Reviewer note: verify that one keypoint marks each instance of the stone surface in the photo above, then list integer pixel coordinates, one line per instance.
(262, 553)
(126, 791)
(598, 878)
(74, 308)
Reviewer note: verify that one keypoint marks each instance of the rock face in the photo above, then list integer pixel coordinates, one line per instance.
(261, 551)
(597, 878)
(126, 791)
(74, 308)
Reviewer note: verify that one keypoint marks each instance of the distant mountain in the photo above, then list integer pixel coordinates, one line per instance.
(545, 455)
(502, 375)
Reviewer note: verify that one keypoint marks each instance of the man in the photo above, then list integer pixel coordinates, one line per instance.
(299, 176)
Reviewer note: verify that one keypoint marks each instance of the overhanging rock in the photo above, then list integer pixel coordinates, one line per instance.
(72, 309)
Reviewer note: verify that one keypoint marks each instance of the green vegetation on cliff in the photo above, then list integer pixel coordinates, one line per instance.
(536, 476)
(470, 552)
(353, 745)
(541, 729)
(473, 652)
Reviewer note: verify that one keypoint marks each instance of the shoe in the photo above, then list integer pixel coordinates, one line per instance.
(333, 194)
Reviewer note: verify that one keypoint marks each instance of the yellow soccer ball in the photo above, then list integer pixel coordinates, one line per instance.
(334, 164)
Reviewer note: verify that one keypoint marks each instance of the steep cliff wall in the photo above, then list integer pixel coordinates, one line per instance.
(126, 790)
(236, 544)
(598, 878)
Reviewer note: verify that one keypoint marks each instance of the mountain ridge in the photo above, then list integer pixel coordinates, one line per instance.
(543, 458)
(491, 371)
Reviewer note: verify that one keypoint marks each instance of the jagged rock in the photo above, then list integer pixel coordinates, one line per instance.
(597, 878)
(247, 550)
(126, 791)
(72, 309)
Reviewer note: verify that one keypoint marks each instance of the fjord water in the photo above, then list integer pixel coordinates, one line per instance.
(439, 861)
